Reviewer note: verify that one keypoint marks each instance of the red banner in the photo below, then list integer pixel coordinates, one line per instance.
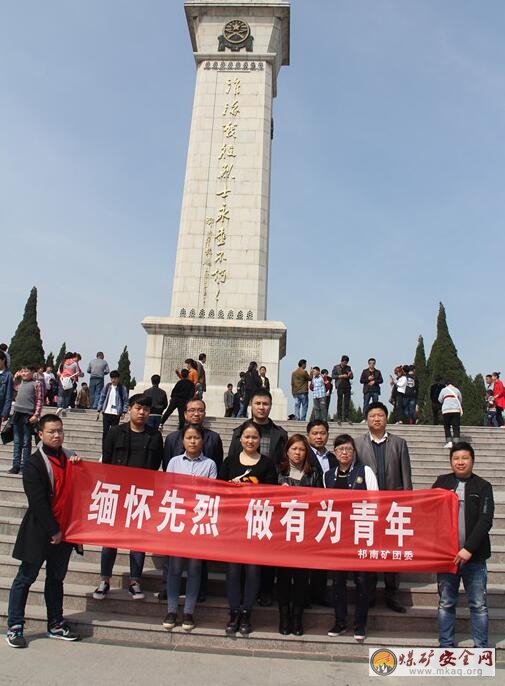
(316, 528)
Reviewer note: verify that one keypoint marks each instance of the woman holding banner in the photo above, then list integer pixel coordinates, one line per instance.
(350, 474)
(247, 467)
(192, 463)
(295, 469)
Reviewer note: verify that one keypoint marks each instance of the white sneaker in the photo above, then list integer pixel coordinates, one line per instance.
(135, 591)
(102, 590)
(448, 444)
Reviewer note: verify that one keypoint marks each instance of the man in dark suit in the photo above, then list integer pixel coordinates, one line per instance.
(40, 538)
(388, 456)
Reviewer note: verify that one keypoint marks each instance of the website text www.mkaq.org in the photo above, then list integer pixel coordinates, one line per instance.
(445, 671)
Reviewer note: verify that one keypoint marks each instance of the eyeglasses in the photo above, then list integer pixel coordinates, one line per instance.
(344, 449)
(193, 411)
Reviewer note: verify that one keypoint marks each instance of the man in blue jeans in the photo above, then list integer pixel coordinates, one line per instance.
(300, 380)
(475, 519)
(40, 538)
(27, 411)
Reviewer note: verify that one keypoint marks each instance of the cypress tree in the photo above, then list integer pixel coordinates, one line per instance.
(444, 362)
(422, 376)
(60, 356)
(26, 344)
(50, 360)
(123, 367)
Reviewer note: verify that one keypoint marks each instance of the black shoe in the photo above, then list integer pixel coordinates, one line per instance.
(245, 626)
(233, 622)
(337, 630)
(360, 633)
(62, 631)
(284, 620)
(162, 595)
(13, 470)
(170, 621)
(395, 605)
(15, 637)
(188, 622)
(297, 621)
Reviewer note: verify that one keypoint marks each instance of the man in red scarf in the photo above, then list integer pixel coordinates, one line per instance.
(40, 538)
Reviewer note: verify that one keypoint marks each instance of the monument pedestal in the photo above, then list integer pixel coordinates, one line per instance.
(229, 345)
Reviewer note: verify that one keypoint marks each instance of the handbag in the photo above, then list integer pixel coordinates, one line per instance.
(66, 383)
(7, 433)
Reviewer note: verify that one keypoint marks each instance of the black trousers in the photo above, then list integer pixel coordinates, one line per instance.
(343, 403)
(292, 585)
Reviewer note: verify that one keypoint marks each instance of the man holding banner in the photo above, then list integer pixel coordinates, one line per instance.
(388, 456)
(475, 519)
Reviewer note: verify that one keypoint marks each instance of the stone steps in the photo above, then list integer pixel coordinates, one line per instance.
(208, 636)
(120, 619)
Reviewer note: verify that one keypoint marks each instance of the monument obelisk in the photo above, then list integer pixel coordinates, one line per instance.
(219, 293)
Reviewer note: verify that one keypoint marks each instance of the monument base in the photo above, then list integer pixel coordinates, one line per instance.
(229, 345)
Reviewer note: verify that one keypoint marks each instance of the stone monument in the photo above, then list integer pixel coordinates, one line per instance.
(219, 293)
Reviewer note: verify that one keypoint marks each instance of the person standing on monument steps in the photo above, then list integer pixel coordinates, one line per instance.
(97, 369)
(342, 376)
(40, 538)
(201, 386)
(475, 519)
(371, 378)
(300, 380)
(388, 456)
(132, 444)
(273, 440)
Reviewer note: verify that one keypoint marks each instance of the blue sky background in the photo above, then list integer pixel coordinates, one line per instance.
(388, 172)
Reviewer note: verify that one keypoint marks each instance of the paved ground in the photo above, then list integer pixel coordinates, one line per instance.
(56, 663)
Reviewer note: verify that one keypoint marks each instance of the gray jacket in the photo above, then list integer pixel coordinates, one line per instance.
(398, 470)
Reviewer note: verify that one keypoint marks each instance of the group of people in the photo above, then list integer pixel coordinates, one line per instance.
(321, 384)
(236, 403)
(260, 451)
(494, 401)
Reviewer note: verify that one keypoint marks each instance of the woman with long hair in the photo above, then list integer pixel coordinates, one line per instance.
(296, 469)
(248, 467)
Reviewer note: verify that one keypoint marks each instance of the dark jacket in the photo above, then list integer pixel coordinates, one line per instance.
(116, 447)
(398, 469)
(356, 479)
(332, 461)
(6, 388)
(212, 447)
(159, 399)
(375, 388)
(38, 525)
(479, 511)
(312, 480)
(278, 439)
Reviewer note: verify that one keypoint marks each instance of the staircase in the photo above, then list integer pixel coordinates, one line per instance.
(119, 619)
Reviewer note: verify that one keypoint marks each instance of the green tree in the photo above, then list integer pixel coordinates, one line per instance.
(133, 383)
(26, 344)
(60, 356)
(422, 376)
(123, 367)
(50, 360)
(444, 363)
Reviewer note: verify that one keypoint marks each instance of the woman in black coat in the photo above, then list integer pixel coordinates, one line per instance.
(295, 469)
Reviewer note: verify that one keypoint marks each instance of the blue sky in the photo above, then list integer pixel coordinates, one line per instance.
(388, 171)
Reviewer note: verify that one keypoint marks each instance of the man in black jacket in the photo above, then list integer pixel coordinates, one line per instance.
(475, 519)
(40, 537)
(273, 437)
(132, 444)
